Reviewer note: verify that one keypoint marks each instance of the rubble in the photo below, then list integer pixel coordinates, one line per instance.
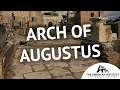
(108, 37)
(113, 57)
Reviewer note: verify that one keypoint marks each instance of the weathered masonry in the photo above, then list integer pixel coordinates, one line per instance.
(5, 58)
(6, 49)
(2, 44)
(108, 35)
(101, 32)
(2, 36)
(82, 17)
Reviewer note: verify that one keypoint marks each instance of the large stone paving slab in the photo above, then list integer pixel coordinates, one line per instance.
(91, 61)
(79, 69)
(54, 64)
(78, 75)
(61, 69)
(38, 67)
(81, 65)
(58, 72)
(38, 75)
(76, 65)
(16, 61)
(33, 63)
(21, 69)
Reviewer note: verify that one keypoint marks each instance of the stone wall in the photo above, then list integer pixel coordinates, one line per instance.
(101, 32)
(2, 36)
(4, 58)
(86, 15)
(116, 30)
(23, 17)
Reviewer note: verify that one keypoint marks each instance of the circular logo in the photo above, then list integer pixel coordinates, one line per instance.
(102, 71)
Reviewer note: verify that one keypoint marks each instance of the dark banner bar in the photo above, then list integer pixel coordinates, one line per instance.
(58, 5)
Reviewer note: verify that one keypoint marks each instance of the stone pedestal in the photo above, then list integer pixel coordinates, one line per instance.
(101, 32)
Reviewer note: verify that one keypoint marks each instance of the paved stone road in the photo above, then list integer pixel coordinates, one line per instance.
(61, 69)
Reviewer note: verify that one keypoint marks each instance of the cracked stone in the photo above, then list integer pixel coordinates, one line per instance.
(21, 69)
(79, 68)
(78, 65)
(52, 65)
(57, 72)
(75, 69)
(38, 67)
(38, 75)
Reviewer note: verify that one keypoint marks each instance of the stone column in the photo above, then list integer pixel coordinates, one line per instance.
(101, 32)
(38, 18)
